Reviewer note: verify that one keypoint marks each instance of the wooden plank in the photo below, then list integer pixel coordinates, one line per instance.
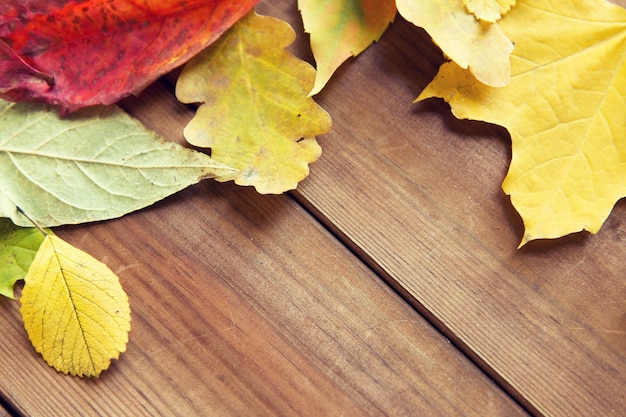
(417, 194)
(244, 305)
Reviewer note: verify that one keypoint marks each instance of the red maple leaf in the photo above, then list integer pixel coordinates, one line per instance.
(76, 53)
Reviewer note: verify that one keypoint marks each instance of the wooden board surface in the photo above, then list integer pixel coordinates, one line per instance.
(418, 194)
(243, 305)
(250, 305)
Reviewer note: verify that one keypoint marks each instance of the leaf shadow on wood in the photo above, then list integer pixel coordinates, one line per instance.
(11, 308)
(613, 229)
(301, 46)
(244, 204)
(487, 140)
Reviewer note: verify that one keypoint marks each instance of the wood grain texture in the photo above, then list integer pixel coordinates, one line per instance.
(417, 194)
(244, 305)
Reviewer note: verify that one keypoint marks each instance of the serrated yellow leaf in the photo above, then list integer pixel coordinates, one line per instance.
(564, 109)
(341, 29)
(74, 309)
(256, 115)
(479, 46)
(489, 10)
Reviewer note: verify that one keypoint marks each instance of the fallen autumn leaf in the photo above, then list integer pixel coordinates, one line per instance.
(77, 53)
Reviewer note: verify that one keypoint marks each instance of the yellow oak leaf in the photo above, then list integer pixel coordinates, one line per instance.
(74, 309)
(341, 29)
(480, 46)
(256, 114)
(489, 10)
(564, 109)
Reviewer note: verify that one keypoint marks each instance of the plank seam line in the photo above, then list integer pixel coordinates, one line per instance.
(169, 81)
(8, 407)
(422, 311)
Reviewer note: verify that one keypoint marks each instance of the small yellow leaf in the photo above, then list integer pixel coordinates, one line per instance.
(74, 309)
(564, 109)
(256, 115)
(480, 46)
(489, 10)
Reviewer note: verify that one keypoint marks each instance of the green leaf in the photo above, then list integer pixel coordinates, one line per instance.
(97, 164)
(74, 309)
(18, 246)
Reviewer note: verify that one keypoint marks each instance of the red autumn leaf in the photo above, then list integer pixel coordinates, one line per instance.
(76, 53)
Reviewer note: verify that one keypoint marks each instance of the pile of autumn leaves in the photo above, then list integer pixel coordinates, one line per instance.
(552, 73)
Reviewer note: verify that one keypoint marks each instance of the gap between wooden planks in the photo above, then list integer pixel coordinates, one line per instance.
(417, 194)
(168, 117)
(3, 411)
(244, 305)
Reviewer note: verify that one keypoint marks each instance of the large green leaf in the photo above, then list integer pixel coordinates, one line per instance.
(97, 164)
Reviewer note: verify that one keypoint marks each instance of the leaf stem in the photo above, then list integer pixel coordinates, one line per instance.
(30, 219)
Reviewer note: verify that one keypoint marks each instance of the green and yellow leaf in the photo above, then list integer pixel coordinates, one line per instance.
(96, 164)
(478, 46)
(18, 246)
(74, 309)
(256, 114)
(341, 29)
(564, 109)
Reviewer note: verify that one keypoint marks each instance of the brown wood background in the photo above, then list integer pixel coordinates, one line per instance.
(389, 283)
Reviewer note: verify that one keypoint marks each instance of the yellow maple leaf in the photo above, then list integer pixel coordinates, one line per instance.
(341, 29)
(480, 46)
(74, 309)
(489, 10)
(256, 115)
(564, 109)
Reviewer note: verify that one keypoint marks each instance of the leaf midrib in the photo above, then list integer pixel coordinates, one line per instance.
(11, 153)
